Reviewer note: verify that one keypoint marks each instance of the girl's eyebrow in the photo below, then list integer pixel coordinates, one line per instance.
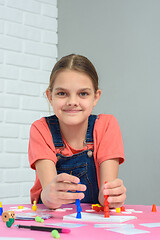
(60, 88)
(64, 89)
(85, 89)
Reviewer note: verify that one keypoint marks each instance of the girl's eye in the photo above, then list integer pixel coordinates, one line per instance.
(61, 94)
(83, 94)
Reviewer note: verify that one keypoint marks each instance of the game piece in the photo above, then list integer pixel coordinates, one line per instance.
(20, 207)
(39, 219)
(97, 207)
(118, 210)
(78, 215)
(34, 207)
(154, 208)
(10, 222)
(106, 206)
(79, 209)
(106, 214)
(1, 209)
(55, 234)
(102, 208)
(123, 209)
(7, 215)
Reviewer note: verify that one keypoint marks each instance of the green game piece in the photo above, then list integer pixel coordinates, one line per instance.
(55, 234)
(10, 222)
(38, 219)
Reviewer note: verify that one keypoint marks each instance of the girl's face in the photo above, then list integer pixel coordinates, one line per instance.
(73, 97)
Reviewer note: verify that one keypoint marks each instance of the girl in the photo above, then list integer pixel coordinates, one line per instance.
(74, 152)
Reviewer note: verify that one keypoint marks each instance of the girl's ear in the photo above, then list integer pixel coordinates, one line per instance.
(97, 96)
(49, 95)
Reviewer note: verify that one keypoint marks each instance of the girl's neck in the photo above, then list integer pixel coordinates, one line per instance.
(75, 135)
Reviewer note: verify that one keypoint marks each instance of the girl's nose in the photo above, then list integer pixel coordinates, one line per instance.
(72, 101)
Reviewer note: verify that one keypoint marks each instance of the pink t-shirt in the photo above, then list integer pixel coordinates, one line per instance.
(108, 144)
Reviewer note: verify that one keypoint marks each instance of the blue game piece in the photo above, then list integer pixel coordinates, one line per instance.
(1, 211)
(77, 203)
(78, 215)
(79, 209)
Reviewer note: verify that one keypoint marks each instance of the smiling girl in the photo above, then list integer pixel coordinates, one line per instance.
(73, 145)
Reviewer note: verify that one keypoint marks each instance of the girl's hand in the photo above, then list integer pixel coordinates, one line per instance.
(56, 193)
(116, 191)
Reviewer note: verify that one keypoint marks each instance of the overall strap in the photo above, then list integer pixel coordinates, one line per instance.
(54, 128)
(89, 134)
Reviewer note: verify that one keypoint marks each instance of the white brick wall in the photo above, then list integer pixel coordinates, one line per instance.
(28, 51)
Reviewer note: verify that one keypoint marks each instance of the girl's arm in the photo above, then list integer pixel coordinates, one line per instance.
(55, 187)
(114, 186)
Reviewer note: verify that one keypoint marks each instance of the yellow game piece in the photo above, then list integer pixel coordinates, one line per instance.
(0, 204)
(95, 205)
(20, 207)
(99, 205)
(34, 207)
(118, 210)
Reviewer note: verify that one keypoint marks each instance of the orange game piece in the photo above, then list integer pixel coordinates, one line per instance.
(154, 208)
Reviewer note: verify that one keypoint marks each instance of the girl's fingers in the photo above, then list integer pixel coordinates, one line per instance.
(113, 184)
(117, 199)
(65, 186)
(70, 196)
(116, 205)
(115, 191)
(64, 177)
(66, 182)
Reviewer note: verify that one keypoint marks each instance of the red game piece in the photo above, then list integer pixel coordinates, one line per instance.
(106, 214)
(106, 208)
(123, 209)
(106, 205)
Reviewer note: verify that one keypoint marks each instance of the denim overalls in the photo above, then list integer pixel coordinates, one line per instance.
(81, 164)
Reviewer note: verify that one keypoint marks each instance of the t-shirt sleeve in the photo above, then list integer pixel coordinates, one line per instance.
(40, 143)
(109, 143)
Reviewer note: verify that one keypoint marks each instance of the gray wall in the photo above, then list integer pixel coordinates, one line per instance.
(122, 39)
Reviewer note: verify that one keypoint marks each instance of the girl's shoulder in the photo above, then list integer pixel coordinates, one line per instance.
(40, 126)
(40, 123)
(105, 118)
(105, 122)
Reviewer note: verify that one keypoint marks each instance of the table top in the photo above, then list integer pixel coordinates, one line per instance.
(143, 223)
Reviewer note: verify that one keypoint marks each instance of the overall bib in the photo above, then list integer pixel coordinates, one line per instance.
(82, 164)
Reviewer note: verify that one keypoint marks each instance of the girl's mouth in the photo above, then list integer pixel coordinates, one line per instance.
(72, 111)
